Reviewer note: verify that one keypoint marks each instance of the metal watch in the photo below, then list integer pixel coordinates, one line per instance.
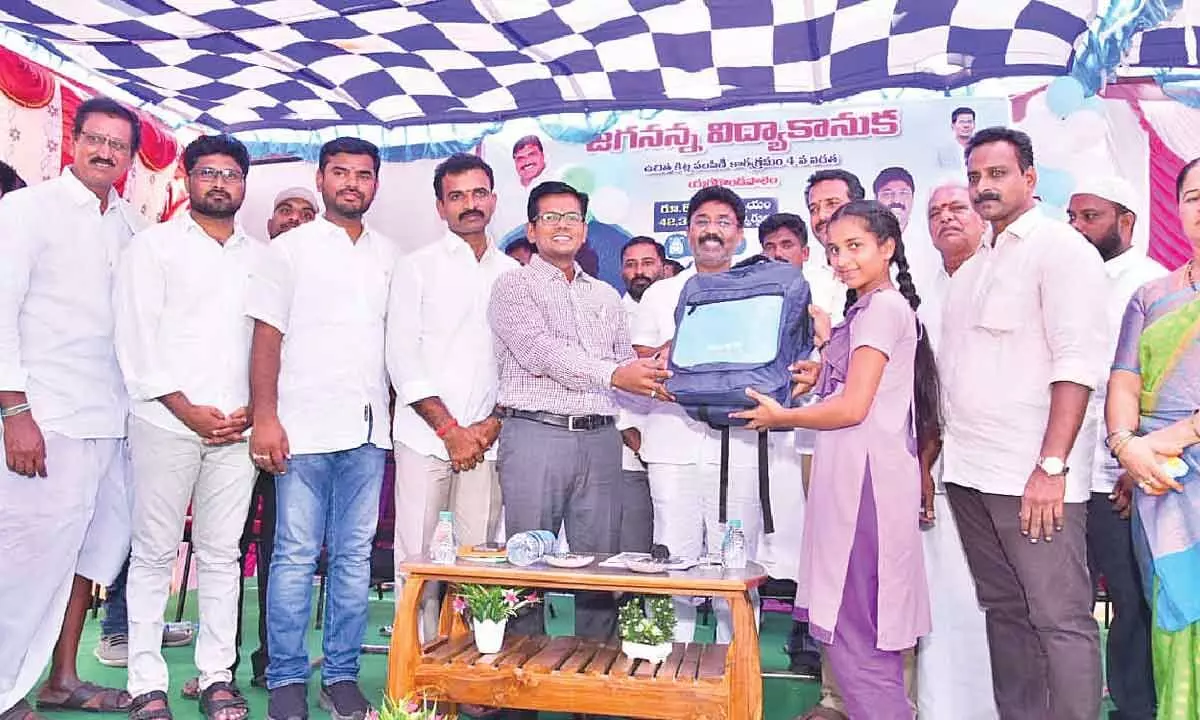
(1052, 466)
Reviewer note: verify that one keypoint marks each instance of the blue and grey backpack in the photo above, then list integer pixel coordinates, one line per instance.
(733, 330)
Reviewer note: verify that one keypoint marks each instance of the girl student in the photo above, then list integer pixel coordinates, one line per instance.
(862, 569)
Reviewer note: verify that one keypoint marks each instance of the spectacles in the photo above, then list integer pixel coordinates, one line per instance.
(567, 218)
(96, 140)
(704, 223)
(210, 175)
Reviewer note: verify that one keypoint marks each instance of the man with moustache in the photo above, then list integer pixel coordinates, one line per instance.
(894, 187)
(1102, 210)
(563, 347)
(318, 388)
(683, 456)
(952, 660)
(64, 496)
(443, 368)
(1022, 345)
(293, 207)
(641, 265)
(183, 342)
(529, 159)
(827, 191)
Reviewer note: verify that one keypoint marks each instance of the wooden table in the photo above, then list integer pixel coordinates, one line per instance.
(568, 674)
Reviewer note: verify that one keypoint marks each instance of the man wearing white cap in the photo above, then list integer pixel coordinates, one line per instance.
(1102, 210)
(293, 207)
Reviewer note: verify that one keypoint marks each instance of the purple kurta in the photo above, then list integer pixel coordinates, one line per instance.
(885, 440)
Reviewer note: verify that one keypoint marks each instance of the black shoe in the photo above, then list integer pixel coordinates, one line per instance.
(344, 701)
(806, 665)
(288, 702)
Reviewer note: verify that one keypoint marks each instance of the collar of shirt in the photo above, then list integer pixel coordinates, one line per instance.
(541, 268)
(1018, 229)
(454, 244)
(1118, 266)
(238, 237)
(81, 196)
(336, 232)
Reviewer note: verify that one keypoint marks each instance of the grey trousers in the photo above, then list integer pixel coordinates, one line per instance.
(551, 476)
(635, 527)
(1037, 597)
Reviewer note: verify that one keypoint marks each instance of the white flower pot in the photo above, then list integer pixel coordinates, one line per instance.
(489, 635)
(651, 653)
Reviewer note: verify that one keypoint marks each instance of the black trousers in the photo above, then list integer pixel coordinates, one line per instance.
(1128, 655)
(264, 492)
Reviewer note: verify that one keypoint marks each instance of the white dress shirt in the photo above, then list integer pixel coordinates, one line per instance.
(1126, 273)
(56, 314)
(439, 342)
(668, 435)
(328, 296)
(1021, 315)
(933, 303)
(829, 294)
(632, 407)
(181, 321)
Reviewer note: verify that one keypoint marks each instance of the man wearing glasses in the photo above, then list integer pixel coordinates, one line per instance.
(683, 456)
(64, 500)
(183, 341)
(562, 345)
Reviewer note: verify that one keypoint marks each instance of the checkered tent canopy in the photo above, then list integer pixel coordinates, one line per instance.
(256, 64)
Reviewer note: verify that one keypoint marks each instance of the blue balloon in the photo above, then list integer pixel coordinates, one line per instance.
(1064, 96)
(1054, 186)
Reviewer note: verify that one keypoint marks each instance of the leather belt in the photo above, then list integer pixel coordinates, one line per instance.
(574, 423)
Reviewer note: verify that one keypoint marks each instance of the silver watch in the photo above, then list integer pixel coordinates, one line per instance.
(1052, 466)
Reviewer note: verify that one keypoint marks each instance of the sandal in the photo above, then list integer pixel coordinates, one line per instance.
(139, 711)
(821, 712)
(21, 711)
(86, 692)
(213, 707)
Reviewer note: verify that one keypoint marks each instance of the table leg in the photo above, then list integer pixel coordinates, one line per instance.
(744, 668)
(405, 650)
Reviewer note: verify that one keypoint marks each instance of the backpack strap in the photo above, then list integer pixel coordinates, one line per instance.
(764, 484)
(723, 512)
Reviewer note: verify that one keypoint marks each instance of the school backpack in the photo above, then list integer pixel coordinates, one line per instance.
(733, 330)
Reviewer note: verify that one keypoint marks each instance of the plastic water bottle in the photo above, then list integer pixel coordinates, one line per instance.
(443, 547)
(526, 548)
(733, 549)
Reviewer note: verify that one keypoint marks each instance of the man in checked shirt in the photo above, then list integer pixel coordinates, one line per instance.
(562, 345)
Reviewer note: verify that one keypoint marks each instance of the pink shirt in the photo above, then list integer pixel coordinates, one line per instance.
(884, 442)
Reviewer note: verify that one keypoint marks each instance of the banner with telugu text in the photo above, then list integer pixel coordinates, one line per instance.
(641, 172)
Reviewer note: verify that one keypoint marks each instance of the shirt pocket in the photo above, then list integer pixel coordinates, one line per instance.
(999, 311)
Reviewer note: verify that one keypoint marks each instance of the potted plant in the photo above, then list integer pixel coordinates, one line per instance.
(410, 708)
(488, 608)
(647, 626)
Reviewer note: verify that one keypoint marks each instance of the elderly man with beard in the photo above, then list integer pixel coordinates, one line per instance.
(1022, 346)
(1102, 210)
(642, 261)
(684, 456)
(443, 368)
(952, 660)
(293, 207)
(318, 386)
(64, 497)
(183, 342)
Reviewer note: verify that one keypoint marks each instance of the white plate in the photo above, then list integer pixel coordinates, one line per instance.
(646, 566)
(569, 560)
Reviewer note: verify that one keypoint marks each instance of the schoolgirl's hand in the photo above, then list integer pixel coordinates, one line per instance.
(822, 325)
(766, 415)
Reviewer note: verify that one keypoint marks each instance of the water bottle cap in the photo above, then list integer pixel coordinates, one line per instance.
(446, 515)
(735, 524)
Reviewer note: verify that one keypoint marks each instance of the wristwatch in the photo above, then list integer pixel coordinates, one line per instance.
(1052, 466)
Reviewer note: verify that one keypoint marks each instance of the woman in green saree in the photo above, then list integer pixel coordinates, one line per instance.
(1154, 432)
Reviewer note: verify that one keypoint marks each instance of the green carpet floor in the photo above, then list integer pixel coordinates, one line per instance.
(783, 698)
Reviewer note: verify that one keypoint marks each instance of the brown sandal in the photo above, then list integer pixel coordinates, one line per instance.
(213, 707)
(84, 693)
(21, 711)
(139, 711)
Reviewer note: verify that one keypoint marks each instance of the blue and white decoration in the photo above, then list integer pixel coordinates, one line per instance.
(251, 64)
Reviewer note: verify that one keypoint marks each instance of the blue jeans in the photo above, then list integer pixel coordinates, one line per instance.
(330, 498)
(116, 619)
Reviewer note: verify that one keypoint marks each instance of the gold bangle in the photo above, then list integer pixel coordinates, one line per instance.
(1120, 445)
